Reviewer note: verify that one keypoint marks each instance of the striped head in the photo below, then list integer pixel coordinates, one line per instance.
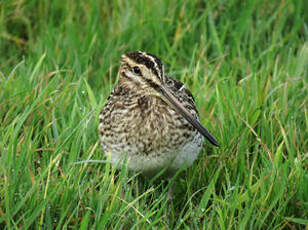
(142, 69)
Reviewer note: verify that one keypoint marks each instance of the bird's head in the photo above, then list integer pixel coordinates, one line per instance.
(142, 69)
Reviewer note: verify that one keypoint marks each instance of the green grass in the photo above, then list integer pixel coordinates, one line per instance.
(245, 62)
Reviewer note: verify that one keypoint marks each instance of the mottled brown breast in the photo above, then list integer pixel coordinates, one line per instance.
(141, 124)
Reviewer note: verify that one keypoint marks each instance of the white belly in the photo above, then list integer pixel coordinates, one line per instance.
(154, 163)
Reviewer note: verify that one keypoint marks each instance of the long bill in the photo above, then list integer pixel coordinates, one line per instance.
(187, 115)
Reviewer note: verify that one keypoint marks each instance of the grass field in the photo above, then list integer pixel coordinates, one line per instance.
(245, 62)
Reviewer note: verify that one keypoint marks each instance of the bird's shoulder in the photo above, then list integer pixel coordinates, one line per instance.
(183, 94)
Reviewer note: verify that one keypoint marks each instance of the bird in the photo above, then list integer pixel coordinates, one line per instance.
(150, 121)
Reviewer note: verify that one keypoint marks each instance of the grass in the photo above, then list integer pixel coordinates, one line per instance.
(246, 64)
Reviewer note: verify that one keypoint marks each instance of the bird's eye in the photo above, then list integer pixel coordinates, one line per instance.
(136, 70)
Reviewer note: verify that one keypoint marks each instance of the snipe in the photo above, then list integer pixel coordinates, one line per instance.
(150, 119)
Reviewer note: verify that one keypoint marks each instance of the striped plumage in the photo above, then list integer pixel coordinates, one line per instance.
(150, 119)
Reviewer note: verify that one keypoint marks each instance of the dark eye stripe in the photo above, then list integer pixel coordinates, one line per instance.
(144, 59)
(152, 84)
